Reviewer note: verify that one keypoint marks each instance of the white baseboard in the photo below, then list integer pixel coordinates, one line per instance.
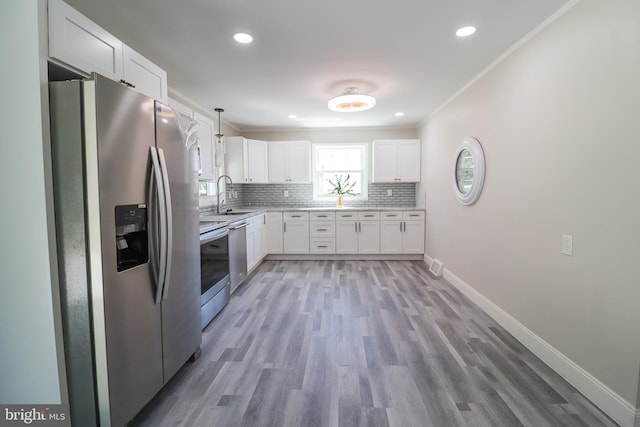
(612, 404)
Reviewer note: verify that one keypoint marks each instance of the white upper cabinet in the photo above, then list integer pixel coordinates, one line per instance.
(76, 41)
(205, 147)
(206, 132)
(289, 162)
(143, 75)
(246, 160)
(396, 160)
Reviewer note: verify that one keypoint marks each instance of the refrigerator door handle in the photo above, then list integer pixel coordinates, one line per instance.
(159, 275)
(168, 224)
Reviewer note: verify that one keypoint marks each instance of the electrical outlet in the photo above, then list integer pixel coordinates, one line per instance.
(567, 245)
(286, 193)
(389, 192)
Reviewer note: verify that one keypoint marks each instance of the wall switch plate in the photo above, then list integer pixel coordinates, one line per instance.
(286, 193)
(567, 245)
(389, 192)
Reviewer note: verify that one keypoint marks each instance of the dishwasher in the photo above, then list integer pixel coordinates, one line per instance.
(237, 253)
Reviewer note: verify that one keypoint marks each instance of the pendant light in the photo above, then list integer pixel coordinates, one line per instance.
(351, 101)
(219, 135)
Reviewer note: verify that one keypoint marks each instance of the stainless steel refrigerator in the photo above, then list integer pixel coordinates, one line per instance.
(126, 203)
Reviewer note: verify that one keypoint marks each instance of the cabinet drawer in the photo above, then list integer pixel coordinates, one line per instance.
(295, 216)
(412, 215)
(322, 216)
(391, 215)
(322, 246)
(369, 216)
(346, 216)
(323, 229)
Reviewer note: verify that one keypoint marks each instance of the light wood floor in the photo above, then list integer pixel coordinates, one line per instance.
(362, 343)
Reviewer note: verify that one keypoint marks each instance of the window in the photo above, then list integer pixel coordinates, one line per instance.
(331, 160)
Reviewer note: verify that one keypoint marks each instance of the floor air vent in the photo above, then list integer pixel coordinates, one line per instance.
(436, 268)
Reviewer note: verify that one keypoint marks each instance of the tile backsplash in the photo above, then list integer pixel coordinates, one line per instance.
(301, 195)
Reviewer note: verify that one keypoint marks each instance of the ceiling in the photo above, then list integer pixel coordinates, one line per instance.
(402, 52)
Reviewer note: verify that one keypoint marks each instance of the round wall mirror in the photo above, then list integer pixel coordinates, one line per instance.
(468, 174)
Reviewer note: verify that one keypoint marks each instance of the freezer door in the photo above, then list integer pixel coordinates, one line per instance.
(181, 298)
(123, 132)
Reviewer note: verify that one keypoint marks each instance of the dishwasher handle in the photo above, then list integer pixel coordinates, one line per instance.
(237, 227)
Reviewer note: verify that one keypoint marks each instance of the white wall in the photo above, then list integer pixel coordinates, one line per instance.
(29, 364)
(559, 121)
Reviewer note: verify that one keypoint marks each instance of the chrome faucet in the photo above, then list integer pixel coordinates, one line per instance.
(218, 190)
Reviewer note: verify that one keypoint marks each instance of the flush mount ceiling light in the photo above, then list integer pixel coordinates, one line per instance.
(351, 101)
(243, 38)
(465, 31)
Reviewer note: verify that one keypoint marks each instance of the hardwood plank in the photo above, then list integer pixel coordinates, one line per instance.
(362, 343)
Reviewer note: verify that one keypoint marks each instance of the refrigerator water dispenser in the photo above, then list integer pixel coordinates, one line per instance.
(132, 241)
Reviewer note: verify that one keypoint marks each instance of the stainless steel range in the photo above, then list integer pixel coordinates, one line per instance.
(214, 269)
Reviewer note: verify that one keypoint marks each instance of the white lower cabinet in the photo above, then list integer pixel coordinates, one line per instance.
(255, 241)
(273, 233)
(322, 233)
(402, 232)
(295, 232)
(345, 232)
(358, 232)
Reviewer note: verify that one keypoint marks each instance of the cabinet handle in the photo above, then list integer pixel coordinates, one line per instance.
(321, 229)
(347, 216)
(284, 227)
(414, 215)
(397, 179)
(368, 216)
(126, 83)
(356, 225)
(323, 246)
(401, 227)
(322, 216)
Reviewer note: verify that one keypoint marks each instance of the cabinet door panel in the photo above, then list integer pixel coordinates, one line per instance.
(296, 237)
(205, 143)
(384, 161)
(146, 76)
(257, 161)
(81, 43)
(369, 237)
(299, 162)
(346, 237)
(413, 237)
(391, 237)
(409, 161)
(277, 162)
(274, 235)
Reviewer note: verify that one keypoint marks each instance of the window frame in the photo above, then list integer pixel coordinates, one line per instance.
(364, 171)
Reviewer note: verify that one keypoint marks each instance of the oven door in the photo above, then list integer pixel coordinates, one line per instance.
(214, 262)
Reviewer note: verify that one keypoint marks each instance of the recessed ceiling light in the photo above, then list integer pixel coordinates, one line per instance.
(465, 31)
(293, 116)
(399, 114)
(243, 38)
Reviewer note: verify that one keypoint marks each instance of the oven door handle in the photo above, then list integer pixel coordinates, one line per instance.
(213, 235)
(237, 227)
